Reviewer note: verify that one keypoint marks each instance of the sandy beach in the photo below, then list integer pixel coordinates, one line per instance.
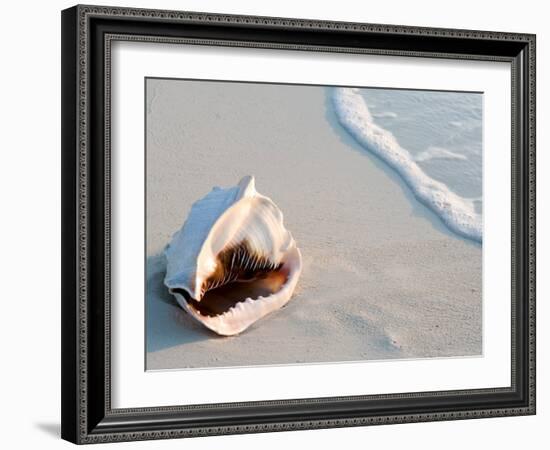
(383, 277)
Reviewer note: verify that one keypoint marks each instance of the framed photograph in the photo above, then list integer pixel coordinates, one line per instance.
(280, 224)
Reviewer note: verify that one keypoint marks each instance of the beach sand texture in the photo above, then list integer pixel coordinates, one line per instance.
(383, 277)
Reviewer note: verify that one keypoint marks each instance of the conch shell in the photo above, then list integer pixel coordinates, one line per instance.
(233, 262)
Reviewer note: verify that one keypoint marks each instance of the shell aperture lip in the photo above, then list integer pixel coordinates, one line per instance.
(233, 261)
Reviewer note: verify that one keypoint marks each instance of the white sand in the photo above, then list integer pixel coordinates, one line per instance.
(383, 278)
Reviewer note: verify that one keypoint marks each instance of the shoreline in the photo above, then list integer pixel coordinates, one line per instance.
(457, 213)
(419, 207)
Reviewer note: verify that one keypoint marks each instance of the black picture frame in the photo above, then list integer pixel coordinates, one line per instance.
(87, 32)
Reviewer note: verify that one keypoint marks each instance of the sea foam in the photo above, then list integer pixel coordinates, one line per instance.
(457, 213)
(438, 153)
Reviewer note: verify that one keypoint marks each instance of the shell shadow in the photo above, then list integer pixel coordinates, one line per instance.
(166, 323)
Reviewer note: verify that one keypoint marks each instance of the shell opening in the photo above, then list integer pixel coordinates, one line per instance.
(240, 275)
